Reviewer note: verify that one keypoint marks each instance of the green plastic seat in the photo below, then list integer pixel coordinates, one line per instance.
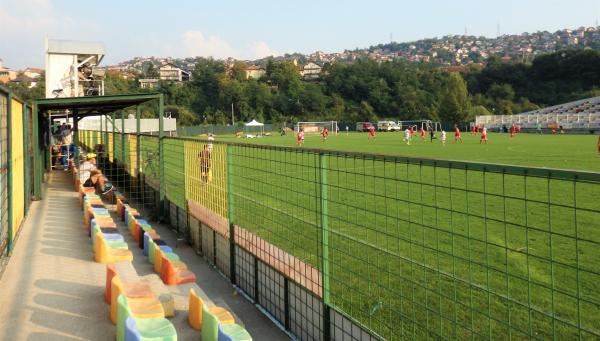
(154, 329)
(210, 325)
(171, 256)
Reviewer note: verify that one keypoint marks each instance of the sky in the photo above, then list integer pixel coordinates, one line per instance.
(259, 28)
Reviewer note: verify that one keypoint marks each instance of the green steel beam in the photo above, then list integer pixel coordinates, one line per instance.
(161, 156)
(37, 157)
(114, 138)
(123, 137)
(138, 112)
(323, 158)
(9, 186)
(98, 99)
(26, 158)
(75, 137)
(231, 213)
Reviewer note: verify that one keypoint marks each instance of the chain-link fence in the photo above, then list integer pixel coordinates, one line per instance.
(354, 246)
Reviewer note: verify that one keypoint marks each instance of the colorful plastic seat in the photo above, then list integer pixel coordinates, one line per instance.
(210, 325)
(149, 247)
(233, 332)
(154, 329)
(104, 254)
(141, 307)
(195, 304)
(174, 272)
(158, 259)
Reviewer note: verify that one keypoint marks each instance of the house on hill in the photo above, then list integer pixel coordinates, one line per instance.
(254, 72)
(311, 71)
(170, 72)
(6, 74)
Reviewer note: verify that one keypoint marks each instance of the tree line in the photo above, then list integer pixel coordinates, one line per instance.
(365, 90)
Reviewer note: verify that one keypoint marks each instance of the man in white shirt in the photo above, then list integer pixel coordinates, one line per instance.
(211, 139)
(86, 167)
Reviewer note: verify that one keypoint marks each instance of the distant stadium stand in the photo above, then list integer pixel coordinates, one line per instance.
(582, 115)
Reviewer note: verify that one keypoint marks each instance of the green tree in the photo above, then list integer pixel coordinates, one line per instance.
(184, 116)
(455, 105)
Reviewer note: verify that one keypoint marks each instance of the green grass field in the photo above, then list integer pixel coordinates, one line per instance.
(429, 252)
(576, 152)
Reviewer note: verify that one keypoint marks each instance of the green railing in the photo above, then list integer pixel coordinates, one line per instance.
(413, 248)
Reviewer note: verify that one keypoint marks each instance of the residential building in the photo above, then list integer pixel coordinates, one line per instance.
(170, 72)
(311, 71)
(22, 78)
(254, 72)
(6, 74)
(148, 83)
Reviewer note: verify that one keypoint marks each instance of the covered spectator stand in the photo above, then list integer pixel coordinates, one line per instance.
(48, 111)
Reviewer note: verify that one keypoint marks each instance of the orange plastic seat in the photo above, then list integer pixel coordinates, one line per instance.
(172, 275)
(195, 304)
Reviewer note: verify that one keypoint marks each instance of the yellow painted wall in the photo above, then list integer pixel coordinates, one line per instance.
(18, 171)
(110, 147)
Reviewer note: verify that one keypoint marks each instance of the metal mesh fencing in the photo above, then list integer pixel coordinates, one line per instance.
(405, 248)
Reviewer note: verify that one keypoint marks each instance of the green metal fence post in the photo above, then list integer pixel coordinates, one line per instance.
(26, 164)
(138, 166)
(231, 213)
(123, 138)
(324, 244)
(161, 156)
(37, 157)
(114, 139)
(75, 138)
(9, 186)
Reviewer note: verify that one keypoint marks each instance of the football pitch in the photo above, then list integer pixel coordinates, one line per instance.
(423, 251)
(577, 152)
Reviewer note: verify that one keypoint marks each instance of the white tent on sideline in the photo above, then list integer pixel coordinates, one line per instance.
(254, 125)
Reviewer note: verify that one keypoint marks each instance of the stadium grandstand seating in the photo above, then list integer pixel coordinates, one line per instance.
(582, 115)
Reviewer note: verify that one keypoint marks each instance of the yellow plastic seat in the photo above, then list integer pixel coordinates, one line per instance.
(195, 304)
(105, 254)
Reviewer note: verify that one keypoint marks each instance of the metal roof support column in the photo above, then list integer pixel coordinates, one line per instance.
(37, 156)
(9, 181)
(161, 156)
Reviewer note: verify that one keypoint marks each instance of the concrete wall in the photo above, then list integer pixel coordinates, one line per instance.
(147, 125)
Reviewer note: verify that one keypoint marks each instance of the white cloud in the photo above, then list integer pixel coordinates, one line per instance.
(260, 49)
(23, 25)
(196, 44)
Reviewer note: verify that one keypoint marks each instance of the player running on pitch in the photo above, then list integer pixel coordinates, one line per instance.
(372, 132)
(325, 133)
(443, 138)
(483, 135)
(513, 130)
(407, 136)
(422, 133)
(300, 137)
(457, 136)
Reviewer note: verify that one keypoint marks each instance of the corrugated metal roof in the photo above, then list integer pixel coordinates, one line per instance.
(75, 47)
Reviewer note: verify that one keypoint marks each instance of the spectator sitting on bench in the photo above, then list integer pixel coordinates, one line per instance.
(86, 167)
(97, 181)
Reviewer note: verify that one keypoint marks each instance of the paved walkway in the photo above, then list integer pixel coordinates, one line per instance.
(52, 289)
